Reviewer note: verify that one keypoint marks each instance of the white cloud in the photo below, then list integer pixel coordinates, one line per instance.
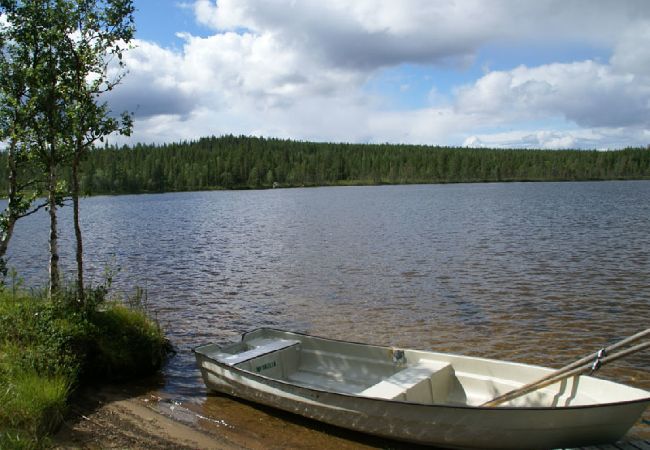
(525, 139)
(298, 68)
(367, 34)
(155, 83)
(599, 139)
(585, 93)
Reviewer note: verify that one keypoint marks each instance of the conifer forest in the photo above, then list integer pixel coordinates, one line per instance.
(240, 162)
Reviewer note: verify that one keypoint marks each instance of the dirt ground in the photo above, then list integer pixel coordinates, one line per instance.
(114, 418)
(119, 417)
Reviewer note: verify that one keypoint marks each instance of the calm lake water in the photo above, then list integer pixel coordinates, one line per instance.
(533, 272)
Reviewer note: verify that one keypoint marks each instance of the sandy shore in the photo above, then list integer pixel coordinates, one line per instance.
(115, 418)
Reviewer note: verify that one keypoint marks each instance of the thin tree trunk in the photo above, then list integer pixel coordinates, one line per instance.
(54, 251)
(6, 233)
(77, 230)
(11, 213)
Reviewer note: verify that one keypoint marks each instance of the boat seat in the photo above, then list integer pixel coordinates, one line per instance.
(423, 382)
(260, 348)
(324, 382)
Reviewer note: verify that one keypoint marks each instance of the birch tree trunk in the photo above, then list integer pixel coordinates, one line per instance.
(54, 251)
(77, 230)
(10, 215)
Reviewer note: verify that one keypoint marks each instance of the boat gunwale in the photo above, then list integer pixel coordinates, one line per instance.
(255, 375)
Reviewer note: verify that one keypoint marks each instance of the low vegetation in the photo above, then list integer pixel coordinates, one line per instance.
(49, 347)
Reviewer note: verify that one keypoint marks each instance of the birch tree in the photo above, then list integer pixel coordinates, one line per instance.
(68, 48)
(20, 66)
(12, 121)
(93, 51)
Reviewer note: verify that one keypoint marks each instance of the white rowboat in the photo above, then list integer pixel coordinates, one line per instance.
(418, 396)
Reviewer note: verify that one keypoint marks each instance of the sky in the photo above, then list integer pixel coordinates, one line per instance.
(499, 73)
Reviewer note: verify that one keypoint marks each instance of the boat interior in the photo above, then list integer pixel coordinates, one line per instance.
(401, 375)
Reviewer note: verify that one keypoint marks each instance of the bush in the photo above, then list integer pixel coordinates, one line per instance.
(52, 340)
(126, 344)
(47, 347)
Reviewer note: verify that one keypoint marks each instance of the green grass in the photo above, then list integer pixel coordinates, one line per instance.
(127, 344)
(48, 347)
(31, 407)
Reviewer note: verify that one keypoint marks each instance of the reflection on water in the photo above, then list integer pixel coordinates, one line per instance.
(540, 273)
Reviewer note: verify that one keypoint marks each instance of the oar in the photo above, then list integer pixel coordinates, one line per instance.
(586, 364)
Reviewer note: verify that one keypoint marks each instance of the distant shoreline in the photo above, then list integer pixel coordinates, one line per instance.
(268, 188)
(360, 184)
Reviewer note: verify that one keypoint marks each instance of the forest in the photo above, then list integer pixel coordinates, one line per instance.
(241, 162)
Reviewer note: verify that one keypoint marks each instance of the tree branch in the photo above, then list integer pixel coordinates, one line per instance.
(36, 209)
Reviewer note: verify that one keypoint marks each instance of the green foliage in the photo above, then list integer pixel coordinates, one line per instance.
(230, 162)
(47, 346)
(54, 66)
(126, 344)
(37, 367)
(53, 339)
(55, 62)
(31, 405)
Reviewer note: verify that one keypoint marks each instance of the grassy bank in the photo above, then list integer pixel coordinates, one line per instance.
(49, 347)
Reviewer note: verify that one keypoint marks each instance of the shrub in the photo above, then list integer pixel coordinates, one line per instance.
(53, 339)
(126, 344)
(47, 347)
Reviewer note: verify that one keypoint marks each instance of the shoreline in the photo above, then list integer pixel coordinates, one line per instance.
(356, 183)
(118, 417)
(131, 417)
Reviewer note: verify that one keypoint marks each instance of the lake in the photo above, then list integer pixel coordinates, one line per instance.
(535, 272)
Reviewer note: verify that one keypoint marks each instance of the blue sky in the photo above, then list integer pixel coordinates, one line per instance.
(160, 20)
(504, 73)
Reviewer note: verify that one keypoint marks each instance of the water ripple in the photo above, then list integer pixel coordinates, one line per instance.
(540, 273)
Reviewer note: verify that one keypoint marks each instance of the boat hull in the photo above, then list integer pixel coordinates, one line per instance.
(441, 425)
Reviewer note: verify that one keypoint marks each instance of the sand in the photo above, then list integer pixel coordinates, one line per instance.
(113, 417)
(121, 417)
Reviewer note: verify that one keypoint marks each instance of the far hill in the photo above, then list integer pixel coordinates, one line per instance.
(231, 162)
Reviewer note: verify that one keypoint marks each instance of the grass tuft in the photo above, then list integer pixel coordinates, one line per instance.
(32, 405)
(127, 344)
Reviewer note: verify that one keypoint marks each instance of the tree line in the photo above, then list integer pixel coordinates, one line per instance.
(240, 162)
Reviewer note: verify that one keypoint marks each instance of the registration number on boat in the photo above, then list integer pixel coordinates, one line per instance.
(266, 366)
